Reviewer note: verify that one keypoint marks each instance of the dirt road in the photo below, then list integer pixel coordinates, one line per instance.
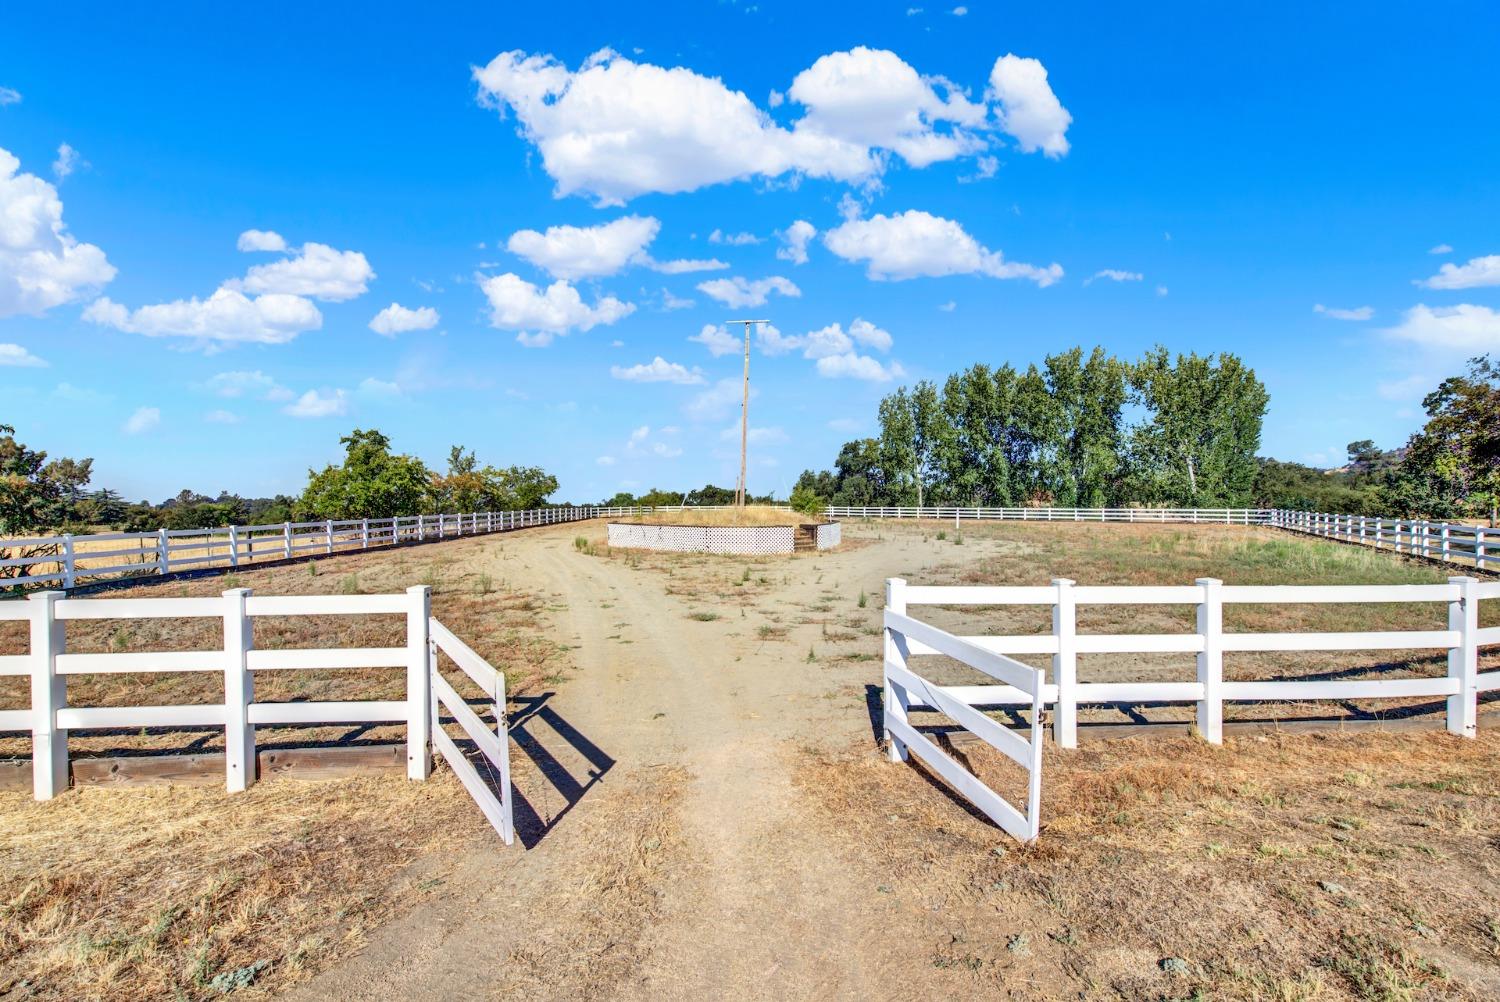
(666, 858)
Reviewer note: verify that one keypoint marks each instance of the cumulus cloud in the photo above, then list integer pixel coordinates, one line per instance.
(15, 355)
(261, 240)
(737, 292)
(717, 339)
(733, 239)
(1114, 275)
(614, 128)
(915, 244)
(41, 264)
(67, 161)
(574, 252)
(794, 241)
(395, 319)
(658, 370)
(772, 342)
(683, 265)
(316, 271)
(540, 315)
(835, 356)
(1441, 249)
(316, 404)
(227, 316)
(872, 99)
(143, 420)
(9, 95)
(221, 417)
(1027, 109)
(1334, 313)
(241, 383)
(1476, 273)
(853, 366)
(1462, 328)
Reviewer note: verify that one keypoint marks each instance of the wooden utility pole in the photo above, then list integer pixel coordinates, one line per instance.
(739, 492)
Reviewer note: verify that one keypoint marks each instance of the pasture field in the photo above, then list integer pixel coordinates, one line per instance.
(705, 811)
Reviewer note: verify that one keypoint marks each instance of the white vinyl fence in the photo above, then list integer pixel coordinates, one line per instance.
(1446, 541)
(428, 694)
(907, 637)
(1192, 516)
(68, 560)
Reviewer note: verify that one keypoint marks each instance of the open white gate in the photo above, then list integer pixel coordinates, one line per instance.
(905, 690)
(493, 744)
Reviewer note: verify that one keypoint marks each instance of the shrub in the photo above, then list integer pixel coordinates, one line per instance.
(805, 501)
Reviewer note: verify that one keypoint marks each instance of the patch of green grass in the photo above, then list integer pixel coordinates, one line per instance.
(863, 599)
(349, 584)
(703, 617)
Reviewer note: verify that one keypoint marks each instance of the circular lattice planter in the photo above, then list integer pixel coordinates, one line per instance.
(742, 539)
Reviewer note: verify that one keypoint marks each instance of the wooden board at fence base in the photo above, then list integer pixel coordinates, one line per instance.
(15, 774)
(331, 763)
(149, 770)
(208, 769)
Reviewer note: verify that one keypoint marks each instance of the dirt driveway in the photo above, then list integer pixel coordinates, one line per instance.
(666, 858)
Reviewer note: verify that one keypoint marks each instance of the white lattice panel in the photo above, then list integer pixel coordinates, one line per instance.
(751, 539)
(830, 534)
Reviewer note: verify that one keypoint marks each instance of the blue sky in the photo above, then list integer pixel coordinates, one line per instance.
(1201, 177)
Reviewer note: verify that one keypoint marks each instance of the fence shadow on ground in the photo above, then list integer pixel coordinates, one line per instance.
(534, 725)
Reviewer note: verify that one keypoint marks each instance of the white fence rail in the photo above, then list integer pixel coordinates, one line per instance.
(1222, 516)
(51, 716)
(68, 560)
(1475, 546)
(1025, 687)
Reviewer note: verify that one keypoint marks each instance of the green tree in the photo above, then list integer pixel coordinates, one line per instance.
(37, 495)
(1452, 466)
(372, 482)
(1197, 446)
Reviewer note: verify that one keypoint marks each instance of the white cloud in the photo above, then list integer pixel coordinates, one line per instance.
(671, 302)
(615, 129)
(869, 335)
(733, 239)
(915, 244)
(658, 370)
(717, 339)
(948, 307)
(260, 240)
(605, 460)
(241, 383)
(854, 366)
(960, 11)
(1114, 275)
(1478, 272)
(682, 266)
(372, 387)
(1334, 313)
(1441, 249)
(396, 318)
(1161, 290)
(222, 417)
(717, 402)
(795, 239)
(516, 304)
(574, 252)
(737, 292)
(1461, 328)
(226, 316)
(772, 342)
(67, 161)
(666, 451)
(9, 95)
(143, 420)
(15, 355)
(315, 404)
(1028, 110)
(873, 99)
(316, 271)
(41, 264)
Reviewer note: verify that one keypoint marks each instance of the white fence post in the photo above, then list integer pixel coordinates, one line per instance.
(897, 699)
(418, 684)
(1463, 659)
(239, 692)
(68, 566)
(1065, 664)
(49, 693)
(234, 546)
(1479, 554)
(364, 534)
(1211, 660)
(328, 535)
(286, 540)
(163, 552)
(1445, 541)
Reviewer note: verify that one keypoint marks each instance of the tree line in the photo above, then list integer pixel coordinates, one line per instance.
(39, 495)
(1085, 431)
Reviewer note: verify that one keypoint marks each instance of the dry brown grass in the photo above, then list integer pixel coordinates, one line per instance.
(1328, 867)
(182, 893)
(749, 515)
